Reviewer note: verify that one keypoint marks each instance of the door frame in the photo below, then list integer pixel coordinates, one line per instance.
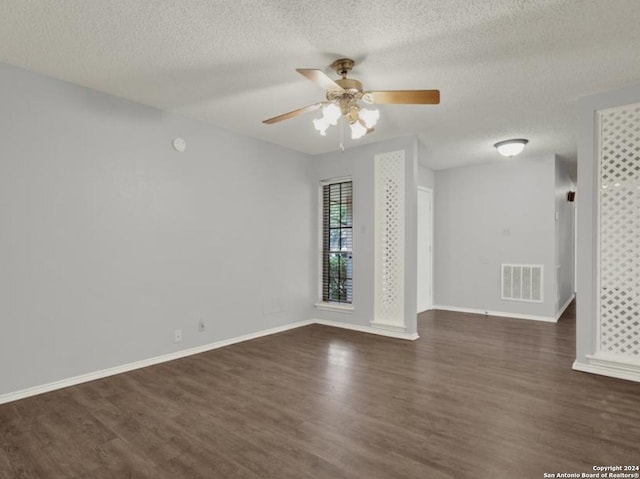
(429, 191)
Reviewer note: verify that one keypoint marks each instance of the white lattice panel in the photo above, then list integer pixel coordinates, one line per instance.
(389, 228)
(619, 175)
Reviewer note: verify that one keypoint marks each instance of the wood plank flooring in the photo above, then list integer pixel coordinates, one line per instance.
(474, 397)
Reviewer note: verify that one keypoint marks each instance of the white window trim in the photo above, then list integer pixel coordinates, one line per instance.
(327, 305)
(338, 307)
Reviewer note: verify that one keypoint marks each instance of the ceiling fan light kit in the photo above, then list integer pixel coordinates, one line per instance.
(511, 148)
(330, 115)
(343, 97)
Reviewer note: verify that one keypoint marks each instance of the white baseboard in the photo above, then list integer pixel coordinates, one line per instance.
(606, 366)
(565, 306)
(388, 326)
(368, 329)
(502, 314)
(83, 378)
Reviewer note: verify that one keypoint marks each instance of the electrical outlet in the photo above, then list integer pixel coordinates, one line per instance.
(201, 326)
(177, 335)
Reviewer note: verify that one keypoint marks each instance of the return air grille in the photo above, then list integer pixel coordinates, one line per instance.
(522, 282)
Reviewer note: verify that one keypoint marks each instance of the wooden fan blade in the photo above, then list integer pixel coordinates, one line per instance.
(294, 113)
(320, 78)
(407, 97)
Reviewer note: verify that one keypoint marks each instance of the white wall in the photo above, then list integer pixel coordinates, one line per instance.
(588, 267)
(110, 239)
(358, 162)
(565, 239)
(491, 214)
(426, 177)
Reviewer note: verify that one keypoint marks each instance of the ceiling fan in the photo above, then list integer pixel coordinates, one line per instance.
(343, 97)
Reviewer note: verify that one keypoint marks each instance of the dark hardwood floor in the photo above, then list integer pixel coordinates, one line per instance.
(474, 397)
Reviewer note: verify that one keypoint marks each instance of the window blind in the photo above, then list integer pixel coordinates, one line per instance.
(337, 242)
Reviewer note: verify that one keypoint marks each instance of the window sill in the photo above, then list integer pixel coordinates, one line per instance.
(337, 307)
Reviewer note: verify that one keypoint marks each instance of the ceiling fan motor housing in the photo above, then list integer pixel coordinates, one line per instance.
(350, 84)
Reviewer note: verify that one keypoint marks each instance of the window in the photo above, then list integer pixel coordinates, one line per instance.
(337, 242)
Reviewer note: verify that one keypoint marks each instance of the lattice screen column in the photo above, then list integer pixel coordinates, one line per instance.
(389, 240)
(619, 232)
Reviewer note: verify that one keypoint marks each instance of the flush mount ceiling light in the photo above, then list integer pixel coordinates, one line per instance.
(511, 148)
(343, 97)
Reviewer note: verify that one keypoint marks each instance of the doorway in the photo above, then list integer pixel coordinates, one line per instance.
(425, 249)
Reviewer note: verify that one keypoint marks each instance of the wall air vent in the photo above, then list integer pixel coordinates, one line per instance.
(522, 282)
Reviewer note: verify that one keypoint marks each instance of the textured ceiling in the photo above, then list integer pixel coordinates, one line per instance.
(505, 68)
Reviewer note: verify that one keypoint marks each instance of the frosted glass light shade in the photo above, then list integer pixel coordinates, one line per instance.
(363, 123)
(331, 113)
(321, 125)
(369, 117)
(358, 130)
(511, 148)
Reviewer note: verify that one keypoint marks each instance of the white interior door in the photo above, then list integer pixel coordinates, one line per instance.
(425, 249)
